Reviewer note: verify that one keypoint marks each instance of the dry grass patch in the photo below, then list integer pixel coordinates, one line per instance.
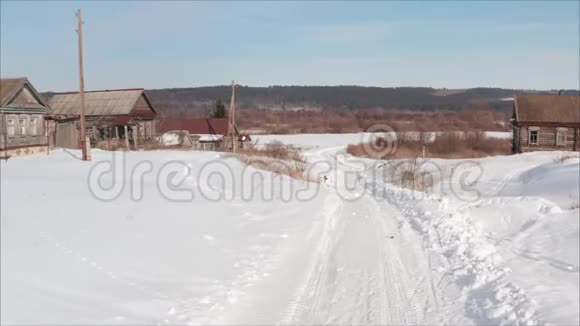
(567, 156)
(446, 145)
(472, 117)
(278, 158)
(413, 174)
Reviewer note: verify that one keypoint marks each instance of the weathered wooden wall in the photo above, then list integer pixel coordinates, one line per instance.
(2, 131)
(547, 139)
(67, 135)
(147, 129)
(26, 139)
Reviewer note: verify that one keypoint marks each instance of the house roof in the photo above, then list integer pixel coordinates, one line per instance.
(10, 88)
(196, 126)
(106, 102)
(547, 108)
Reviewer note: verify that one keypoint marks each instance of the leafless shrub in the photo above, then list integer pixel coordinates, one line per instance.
(152, 145)
(565, 157)
(110, 145)
(278, 158)
(474, 117)
(445, 145)
(408, 174)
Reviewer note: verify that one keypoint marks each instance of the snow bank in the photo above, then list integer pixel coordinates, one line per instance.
(70, 258)
(514, 251)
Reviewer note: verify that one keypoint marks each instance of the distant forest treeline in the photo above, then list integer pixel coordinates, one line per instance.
(200, 100)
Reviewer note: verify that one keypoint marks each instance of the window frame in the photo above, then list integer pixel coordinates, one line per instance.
(22, 126)
(33, 126)
(11, 121)
(531, 131)
(561, 132)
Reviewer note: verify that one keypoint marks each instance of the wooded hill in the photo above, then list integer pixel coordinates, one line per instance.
(200, 100)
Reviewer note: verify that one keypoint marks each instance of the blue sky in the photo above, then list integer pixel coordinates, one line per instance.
(531, 45)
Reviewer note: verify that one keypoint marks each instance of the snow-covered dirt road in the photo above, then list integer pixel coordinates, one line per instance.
(364, 271)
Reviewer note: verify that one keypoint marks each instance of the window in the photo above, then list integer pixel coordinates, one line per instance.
(560, 137)
(533, 137)
(33, 126)
(22, 126)
(11, 127)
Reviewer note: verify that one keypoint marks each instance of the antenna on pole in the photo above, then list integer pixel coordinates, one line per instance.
(84, 142)
(232, 119)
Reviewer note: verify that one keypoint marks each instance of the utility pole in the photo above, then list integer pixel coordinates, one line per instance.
(84, 144)
(232, 119)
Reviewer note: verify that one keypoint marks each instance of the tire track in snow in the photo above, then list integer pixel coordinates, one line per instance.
(399, 301)
(299, 305)
(402, 297)
(487, 296)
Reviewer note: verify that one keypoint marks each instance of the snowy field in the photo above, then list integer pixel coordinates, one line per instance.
(312, 141)
(166, 240)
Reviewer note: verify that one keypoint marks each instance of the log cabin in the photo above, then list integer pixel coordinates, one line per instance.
(121, 118)
(546, 123)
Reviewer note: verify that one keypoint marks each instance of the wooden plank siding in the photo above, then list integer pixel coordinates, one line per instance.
(547, 139)
(3, 135)
(26, 139)
(67, 135)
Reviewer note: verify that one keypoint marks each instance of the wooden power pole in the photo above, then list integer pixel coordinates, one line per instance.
(232, 119)
(84, 144)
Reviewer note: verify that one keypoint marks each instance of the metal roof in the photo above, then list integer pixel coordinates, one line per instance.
(107, 102)
(547, 108)
(195, 126)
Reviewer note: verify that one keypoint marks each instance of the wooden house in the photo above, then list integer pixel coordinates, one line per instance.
(204, 133)
(22, 111)
(546, 123)
(114, 118)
